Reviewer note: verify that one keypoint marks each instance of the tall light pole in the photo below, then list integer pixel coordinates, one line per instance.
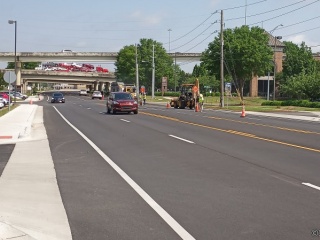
(274, 66)
(221, 64)
(15, 53)
(169, 30)
(174, 73)
(137, 75)
(153, 72)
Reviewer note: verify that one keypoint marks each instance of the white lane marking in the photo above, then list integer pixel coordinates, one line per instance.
(182, 139)
(124, 120)
(145, 196)
(311, 185)
(254, 119)
(88, 108)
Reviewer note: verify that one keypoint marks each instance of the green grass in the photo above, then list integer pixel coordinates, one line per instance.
(5, 110)
(234, 104)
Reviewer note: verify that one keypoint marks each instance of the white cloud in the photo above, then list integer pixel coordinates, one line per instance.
(147, 20)
(214, 3)
(298, 39)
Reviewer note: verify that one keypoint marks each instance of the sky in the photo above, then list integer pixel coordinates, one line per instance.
(185, 26)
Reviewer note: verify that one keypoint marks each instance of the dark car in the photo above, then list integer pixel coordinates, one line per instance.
(57, 98)
(121, 102)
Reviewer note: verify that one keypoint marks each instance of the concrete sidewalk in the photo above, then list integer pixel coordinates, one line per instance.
(30, 202)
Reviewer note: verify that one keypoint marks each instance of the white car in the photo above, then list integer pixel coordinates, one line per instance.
(96, 94)
(83, 92)
(1, 103)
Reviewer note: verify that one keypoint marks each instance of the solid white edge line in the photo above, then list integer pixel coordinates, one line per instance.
(311, 185)
(182, 139)
(124, 120)
(156, 207)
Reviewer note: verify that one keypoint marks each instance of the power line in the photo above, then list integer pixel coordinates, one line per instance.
(193, 38)
(200, 42)
(243, 5)
(285, 13)
(299, 22)
(302, 31)
(194, 28)
(273, 10)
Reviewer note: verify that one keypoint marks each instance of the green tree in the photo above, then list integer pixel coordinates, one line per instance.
(302, 86)
(206, 81)
(3, 83)
(298, 60)
(126, 64)
(246, 53)
(25, 65)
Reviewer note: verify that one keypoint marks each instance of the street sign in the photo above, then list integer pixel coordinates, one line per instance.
(10, 76)
(228, 89)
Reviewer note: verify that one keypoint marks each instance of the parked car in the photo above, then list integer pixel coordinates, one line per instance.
(96, 94)
(5, 98)
(58, 98)
(121, 102)
(18, 95)
(83, 92)
(2, 104)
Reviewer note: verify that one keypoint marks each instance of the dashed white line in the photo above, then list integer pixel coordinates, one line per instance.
(124, 120)
(182, 139)
(145, 196)
(311, 185)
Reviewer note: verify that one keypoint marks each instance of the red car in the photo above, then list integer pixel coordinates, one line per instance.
(5, 97)
(121, 102)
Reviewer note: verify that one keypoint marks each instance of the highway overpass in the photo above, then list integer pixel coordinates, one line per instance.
(80, 56)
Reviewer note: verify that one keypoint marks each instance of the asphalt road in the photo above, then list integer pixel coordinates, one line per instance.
(209, 175)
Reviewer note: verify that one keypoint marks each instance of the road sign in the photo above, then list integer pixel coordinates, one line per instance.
(10, 76)
(194, 88)
(228, 89)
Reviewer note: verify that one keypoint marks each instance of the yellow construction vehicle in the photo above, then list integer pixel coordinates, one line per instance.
(189, 96)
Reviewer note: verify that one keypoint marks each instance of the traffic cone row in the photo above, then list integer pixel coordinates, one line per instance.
(243, 113)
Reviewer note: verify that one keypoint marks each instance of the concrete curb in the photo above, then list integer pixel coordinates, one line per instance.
(13, 233)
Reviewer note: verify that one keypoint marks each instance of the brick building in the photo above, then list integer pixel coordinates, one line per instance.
(258, 84)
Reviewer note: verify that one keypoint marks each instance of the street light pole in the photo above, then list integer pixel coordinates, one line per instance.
(169, 30)
(174, 73)
(15, 53)
(153, 72)
(274, 67)
(221, 64)
(137, 75)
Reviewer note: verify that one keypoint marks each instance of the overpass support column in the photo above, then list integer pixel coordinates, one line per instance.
(18, 74)
(101, 85)
(96, 86)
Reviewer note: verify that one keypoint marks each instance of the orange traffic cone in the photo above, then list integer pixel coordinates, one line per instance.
(30, 101)
(168, 105)
(243, 113)
(196, 109)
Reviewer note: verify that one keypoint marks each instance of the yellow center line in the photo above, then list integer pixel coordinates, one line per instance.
(232, 132)
(264, 125)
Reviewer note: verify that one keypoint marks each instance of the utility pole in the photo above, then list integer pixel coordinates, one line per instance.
(221, 65)
(153, 71)
(137, 75)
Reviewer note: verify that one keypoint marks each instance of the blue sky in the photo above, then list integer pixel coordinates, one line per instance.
(107, 26)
